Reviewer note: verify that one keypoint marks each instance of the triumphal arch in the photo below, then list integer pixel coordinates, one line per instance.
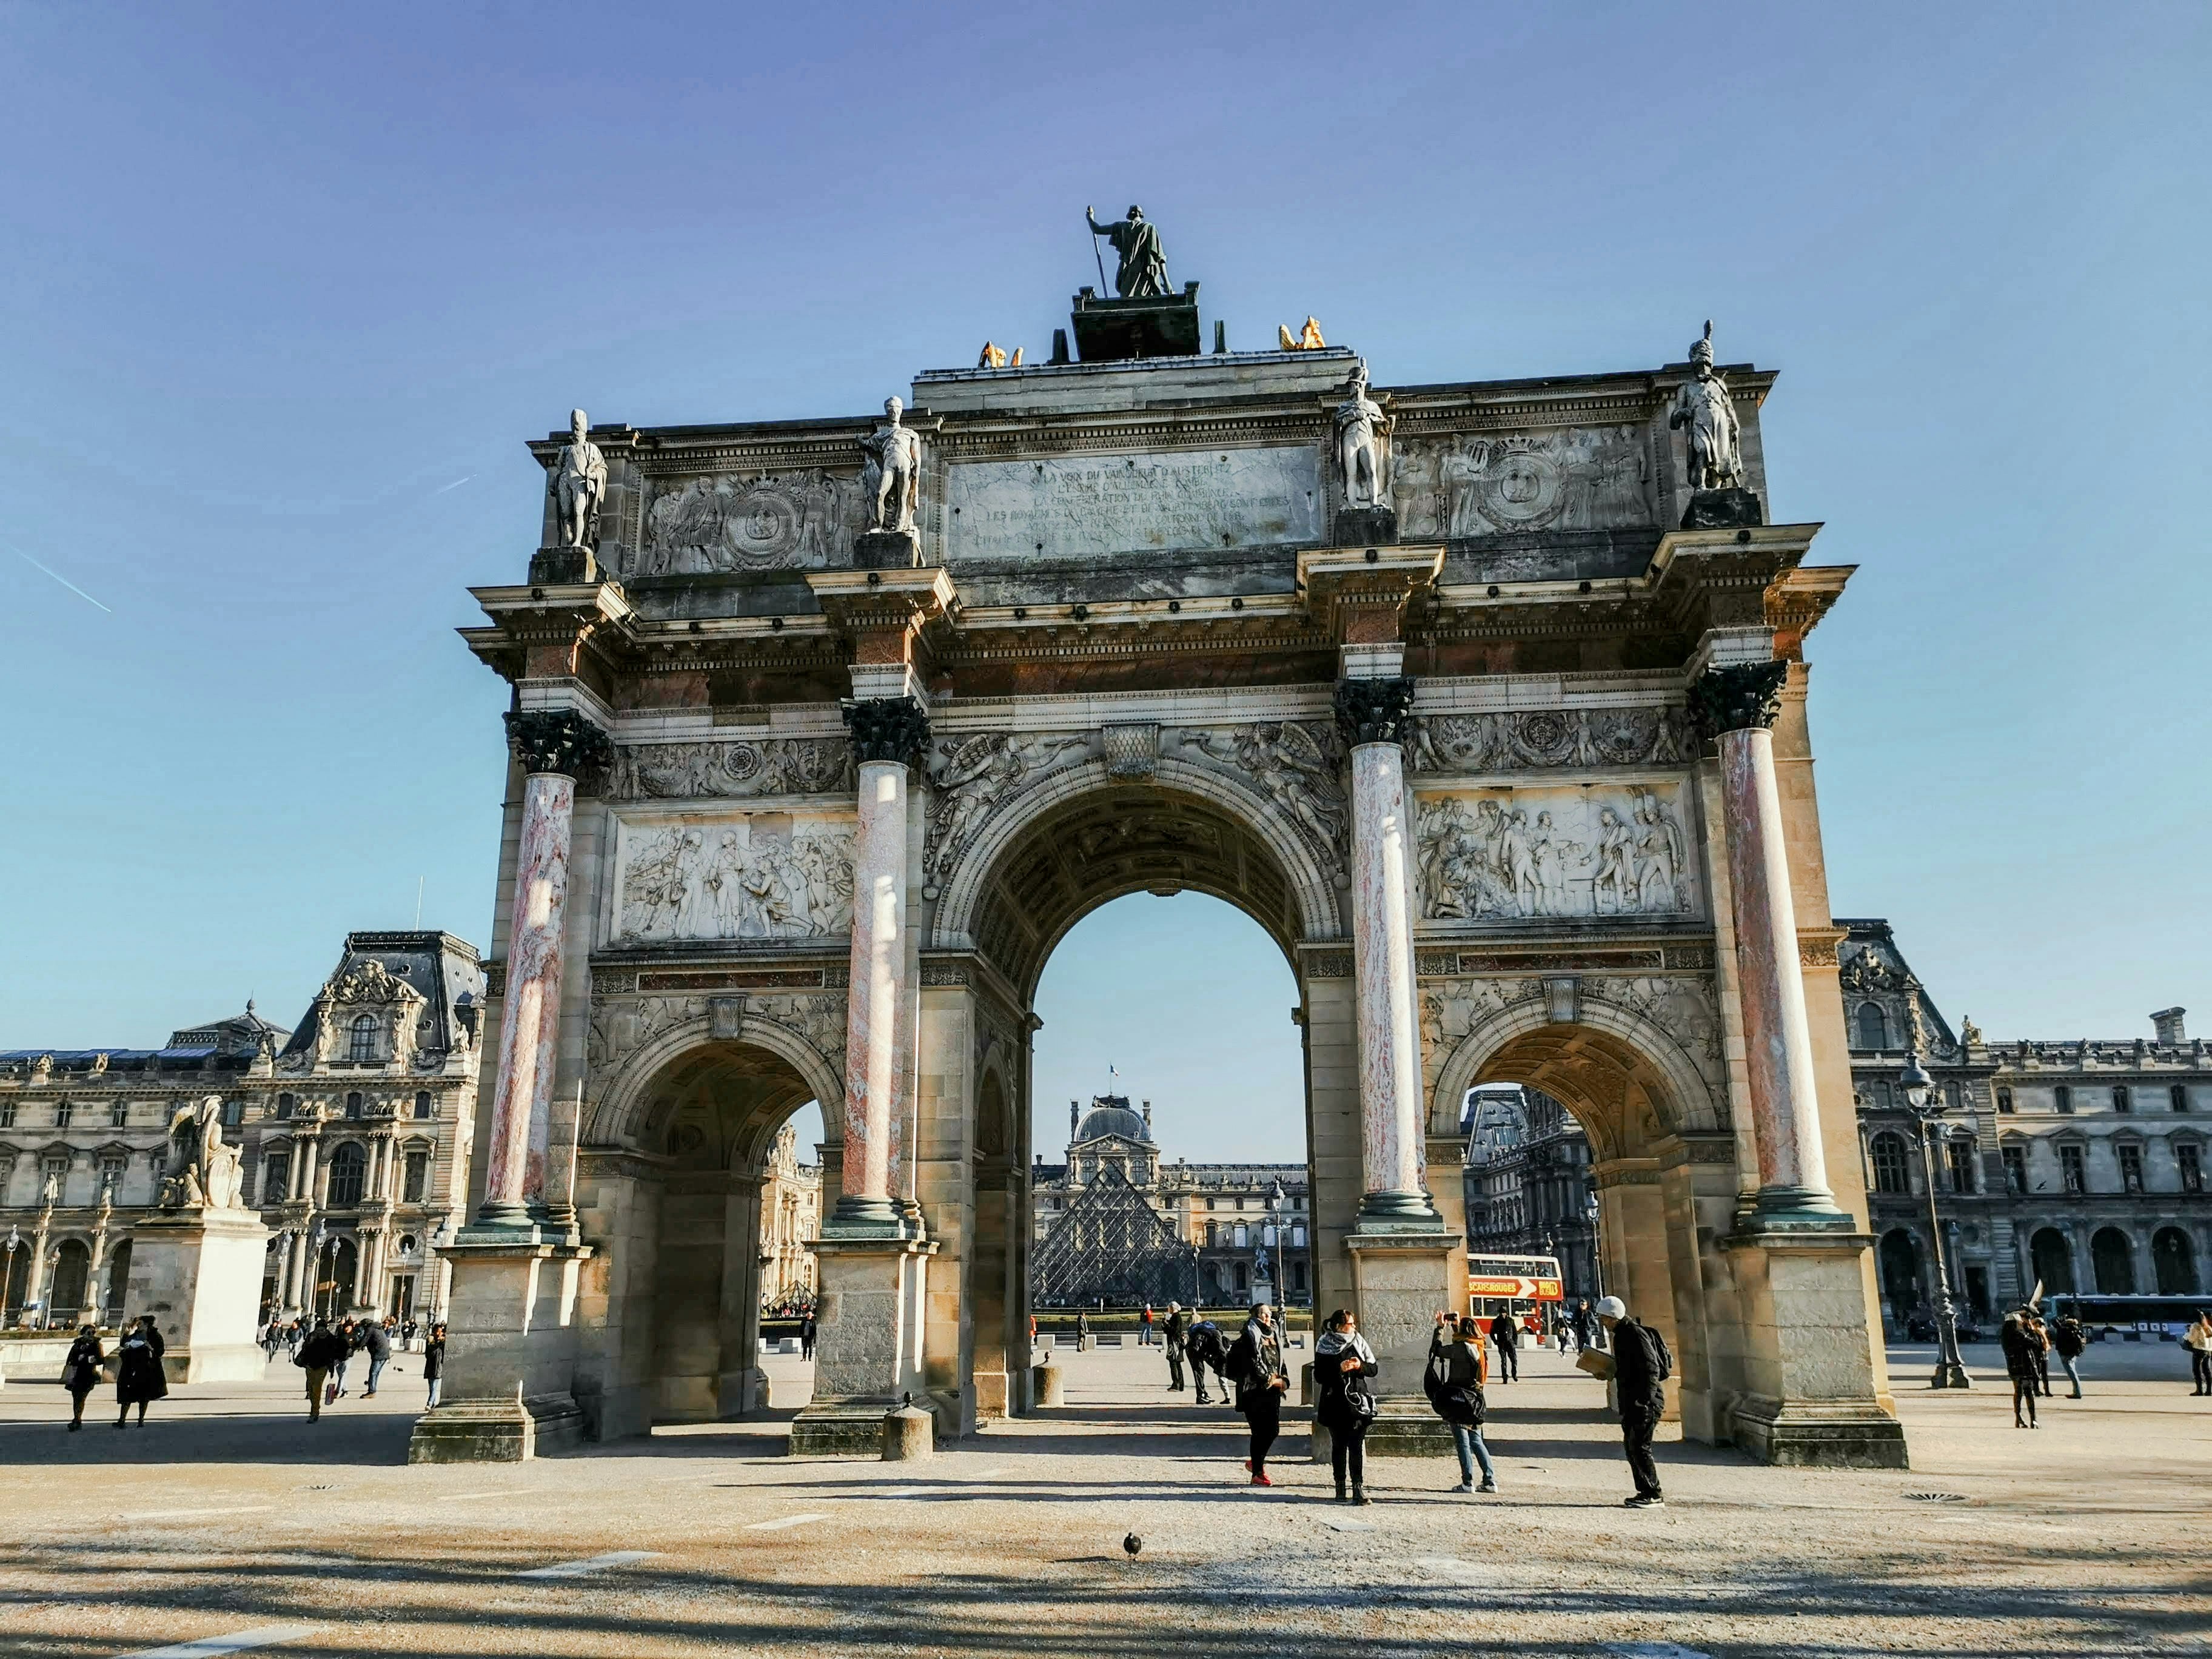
(1487, 700)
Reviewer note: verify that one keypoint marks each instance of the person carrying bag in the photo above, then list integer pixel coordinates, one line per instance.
(1343, 1371)
(1453, 1383)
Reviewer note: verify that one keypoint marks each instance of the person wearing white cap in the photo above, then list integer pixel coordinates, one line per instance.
(1641, 1363)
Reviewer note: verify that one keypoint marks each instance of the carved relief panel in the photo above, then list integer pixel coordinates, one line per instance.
(1488, 484)
(1507, 854)
(726, 522)
(748, 876)
(768, 766)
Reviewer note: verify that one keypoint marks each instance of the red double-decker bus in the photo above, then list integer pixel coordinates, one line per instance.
(1512, 1286)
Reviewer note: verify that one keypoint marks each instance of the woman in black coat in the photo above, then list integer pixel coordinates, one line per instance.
(81, 1372)
(139, 1378)
(1343, 1403)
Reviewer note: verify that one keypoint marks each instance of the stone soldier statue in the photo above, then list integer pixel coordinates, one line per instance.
(1702, 404)
(893, 479)
(579, 484)
(1361, 429)
(1144, 268)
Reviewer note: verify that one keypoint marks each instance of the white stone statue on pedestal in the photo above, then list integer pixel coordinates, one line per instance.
(207, 1171)
(579, 485)
(1361, 429)
(1705, 407)
(891, 484)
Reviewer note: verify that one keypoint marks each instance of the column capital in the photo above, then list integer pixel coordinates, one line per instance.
(1739, 697)
(887, 728)
(1375, 711)
(557, 741)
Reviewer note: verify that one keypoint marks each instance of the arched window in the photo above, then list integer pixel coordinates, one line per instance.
(1873, 1029)
(2173, 1260)
(364, 1038)
(2054, 1262)
(348, 1164)
(2113, 1259)
(1887, 1151)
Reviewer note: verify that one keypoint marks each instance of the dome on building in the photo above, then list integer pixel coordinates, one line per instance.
(1110, 1114)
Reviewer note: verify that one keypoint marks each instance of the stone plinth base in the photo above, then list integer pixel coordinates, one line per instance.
(1818, 1435)
(1723, 509)
(887, 549)
(1808, 1356)
(1115, 331)
(510, 1374)
(867, 1345)
(199, 1273)
(840, 1428)
(497, 1431)
(562, 567)
(1366, 526)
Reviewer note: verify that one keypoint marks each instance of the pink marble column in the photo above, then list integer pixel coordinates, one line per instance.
(1371, 714)
(1739, 704)
(887, 733)
(551, 745)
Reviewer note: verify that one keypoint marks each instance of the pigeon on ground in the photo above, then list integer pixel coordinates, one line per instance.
(1132, 1543)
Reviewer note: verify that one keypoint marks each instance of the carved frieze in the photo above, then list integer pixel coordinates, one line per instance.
(1535, 739)
(972, 777)
(1492, 854)
(1586, 478)
(1452, 1009)
(1684, 1006)
(755, 876)
(621, 1026)
(723, 523)
(770, 766)
(1298, 765)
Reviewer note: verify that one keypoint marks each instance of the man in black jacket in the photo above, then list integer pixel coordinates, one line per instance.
(373, 1339)
(1178, 1330)
(1640, 1366)
(1505, 1343)
(319, 1355)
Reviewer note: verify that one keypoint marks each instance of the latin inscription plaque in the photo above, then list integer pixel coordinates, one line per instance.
(1099, 506)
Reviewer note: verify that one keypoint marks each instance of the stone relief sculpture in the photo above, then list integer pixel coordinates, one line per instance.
(621, 1026)
(1295, 764)
(1362, 430)
(1451, 1009)
(1589, 479)
(1684, 1007)
(579, 484)
(735, 881)
(770, 766)
(969, 777)
(1714, 435)
(1551, 853)
(724, 523)
(1550, 736)
(205, 1170)
(891, 485)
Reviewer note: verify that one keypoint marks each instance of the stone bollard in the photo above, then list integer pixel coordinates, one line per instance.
(1046, 1383)
(909, 1433)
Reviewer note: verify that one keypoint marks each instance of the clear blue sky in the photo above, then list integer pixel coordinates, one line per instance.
(287, 287)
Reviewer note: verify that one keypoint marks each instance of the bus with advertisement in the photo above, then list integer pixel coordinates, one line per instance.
(1514, 1286)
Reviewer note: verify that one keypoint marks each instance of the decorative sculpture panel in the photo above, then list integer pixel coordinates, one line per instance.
(768, 766)
(756, 521)
(1507, 854)
(759, 877)
(1535, 739)
(1492, 483)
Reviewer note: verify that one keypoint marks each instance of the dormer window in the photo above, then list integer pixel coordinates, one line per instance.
(1874, 1028)
(364, 1039)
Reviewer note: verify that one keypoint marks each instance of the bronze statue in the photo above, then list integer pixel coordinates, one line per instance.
(1143, 273)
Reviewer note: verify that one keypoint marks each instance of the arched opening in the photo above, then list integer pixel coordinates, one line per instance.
(2052, 1260)
(2112, 1259)
(118, 1281)
(72, 1275)
(335, 1284)
(1900, 1274)
(2173, 1260)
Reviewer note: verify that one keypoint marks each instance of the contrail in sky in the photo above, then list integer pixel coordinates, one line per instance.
(62, 580)
(456, 484)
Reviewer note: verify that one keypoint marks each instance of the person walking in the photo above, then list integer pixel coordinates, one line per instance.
(2198, 1341)
(1344, 1404)
(1641, 1363)
(81, 1372)
(806, 1329)
(350, 1338)
(319, 1356)
(1255, 1365)
(1581, 1323)
(140, 1378)
(2022, 1350)
(1505, 1339)
(376, 1343)
(1454, 1383)
(2068, 1340)
(434, 1364)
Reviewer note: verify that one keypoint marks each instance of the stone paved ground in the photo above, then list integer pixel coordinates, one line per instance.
(230, 1512)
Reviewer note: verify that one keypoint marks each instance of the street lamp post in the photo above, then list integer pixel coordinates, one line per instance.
(12, 1243)
(1926, 1105)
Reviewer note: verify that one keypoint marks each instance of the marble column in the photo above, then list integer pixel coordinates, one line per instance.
(1372, 715)
(1738, 705)
(889, 733)
(552, 746)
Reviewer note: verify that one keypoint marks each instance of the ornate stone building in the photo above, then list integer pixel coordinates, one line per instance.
(1219, 1211)
(1530, 1186)
(2081, 1163)
(354, 1131)
(791, 1220)
(1488, 699)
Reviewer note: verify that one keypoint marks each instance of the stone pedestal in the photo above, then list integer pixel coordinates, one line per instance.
(1366, 526)
(867, 1345)
(199, 1273)
(887, 549)
(562, 567)
(1723, 509)
(1115, 331)
(1812, 1395)
(1402, 1279)
(509, 1387)
(1047, 1384)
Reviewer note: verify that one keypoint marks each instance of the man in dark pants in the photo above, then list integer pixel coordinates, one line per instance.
(1178, 1324)
(1640, 1364)
(1505, 1344)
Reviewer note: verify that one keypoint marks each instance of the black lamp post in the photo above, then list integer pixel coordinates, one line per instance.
(1924, 1101)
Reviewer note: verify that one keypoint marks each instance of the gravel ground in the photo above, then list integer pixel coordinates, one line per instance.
(230, 1512)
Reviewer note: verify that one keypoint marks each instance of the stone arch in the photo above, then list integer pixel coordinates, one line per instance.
(2174, 1262)
(2113, 1261)
(619, 1116)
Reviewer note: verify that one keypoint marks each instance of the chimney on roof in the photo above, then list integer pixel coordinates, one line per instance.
(2166, 1021)
(1074, 1118)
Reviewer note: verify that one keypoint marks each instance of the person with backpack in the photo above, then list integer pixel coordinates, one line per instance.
(1454, 1385)
(1641, 1363)
(1254, 1365)
(1506, 1339)
(321, 1354)
(1208, 1350)
(2067, 1340)
(1343, 1403)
